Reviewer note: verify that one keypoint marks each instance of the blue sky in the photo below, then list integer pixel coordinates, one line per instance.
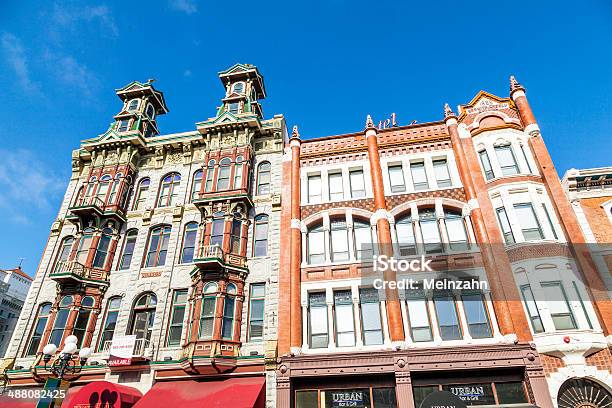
(326, 64)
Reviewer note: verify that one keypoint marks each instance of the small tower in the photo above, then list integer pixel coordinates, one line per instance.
(141, 105)
(244, 86)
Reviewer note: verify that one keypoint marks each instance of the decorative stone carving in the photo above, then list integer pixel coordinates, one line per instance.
(177, 213)
(159, 157)
(187, 153)
(56, 227)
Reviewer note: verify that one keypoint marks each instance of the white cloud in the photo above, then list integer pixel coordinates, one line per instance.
(27, 185)
(66, 16)
(71, 72)
(18, 61)
(186, 6)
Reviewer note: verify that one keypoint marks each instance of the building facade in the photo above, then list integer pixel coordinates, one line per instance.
(478, 195)
(14, 287)
(168, 243)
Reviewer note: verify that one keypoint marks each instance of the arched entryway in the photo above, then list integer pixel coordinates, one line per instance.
(583, 393)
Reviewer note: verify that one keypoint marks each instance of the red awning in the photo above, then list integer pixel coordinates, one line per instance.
(248, 392)
(101, 393)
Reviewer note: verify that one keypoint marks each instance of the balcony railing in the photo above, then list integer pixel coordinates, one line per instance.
(71, 269)
(94, 204)
(92, 201)
(141, 348)
(212, 252)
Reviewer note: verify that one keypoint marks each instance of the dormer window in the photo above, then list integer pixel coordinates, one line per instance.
(234, 107)
(239, 87)
(151, 112)
(123, 125)
(133, 105)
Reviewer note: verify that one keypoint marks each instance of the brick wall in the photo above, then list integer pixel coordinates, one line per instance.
(602, 360)
(597, 218)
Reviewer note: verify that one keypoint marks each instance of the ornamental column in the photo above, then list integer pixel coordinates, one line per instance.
(565, 213)
(296, 243)
(383, 231)
(508, 308)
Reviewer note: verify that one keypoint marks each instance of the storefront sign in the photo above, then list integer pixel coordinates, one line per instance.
(473, 394)
(347, 399)
(121, 350)
(442, 399)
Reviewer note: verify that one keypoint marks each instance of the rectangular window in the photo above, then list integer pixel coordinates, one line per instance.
(37, 334)
(128, 251)
(476, 315)
(179, 304)
(57, 332)
(457, 236)
(550, 223)
(559, 306)
(336, 190)
(418, 315)
(371, 324)
(506, 159)
(525, 157)
(207, 319)
(446, 312)
(227, 329)
(419, 176)
(108, 330)
(528, 221)
(234, 107)
(314, 189)
(430, 231)
(357, 183)
(363, 241)
(123, 125)
(80, 325)
(317, 319)
(405, 237)
(583, 306)
(532, 309)
(441, 172)
(339, 241)
(344, 318)
(396, 178)
(316, 246)
(504, 224)
(486, 164)
(256, 311)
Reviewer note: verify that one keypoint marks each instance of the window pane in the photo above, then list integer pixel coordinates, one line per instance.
(316, 246)
(510, 392)
(455, 229)
(441, 173)
(307, 399)
(363, 240)
(506, 230)
(314, 189)
(448, 321)
(506, 160)
(419, 176)
(384, 398)
(528, 222)
(486, 164)
(339, 241)
(431, 236)
(357, 183)
(405, 237)
(370, 317)
(476, 315)
(396, 178)
(335, 186)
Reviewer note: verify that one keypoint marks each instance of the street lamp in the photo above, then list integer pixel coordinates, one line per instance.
(67, 362)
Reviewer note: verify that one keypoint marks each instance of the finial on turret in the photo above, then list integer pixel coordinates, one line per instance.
(150, 81)
(369, 123)
(514, 84)
(448, 112)
(295, 132)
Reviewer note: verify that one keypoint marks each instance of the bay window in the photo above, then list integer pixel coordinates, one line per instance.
(238, 173)
(486, 164)
(103, 185)
(506, 159)
(84, 246)
(207, 316)
(528, 221)
(235, 235)
(558, 305)
(317, 320)
(210, 176)
(532, 309)
(525, 158)
(371, 324)
(229, 304)
(223, 176)
(82, 319)
(102, 248)
(217, 230)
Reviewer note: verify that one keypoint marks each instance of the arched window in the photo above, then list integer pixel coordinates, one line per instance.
(151, 112)
(82, 320)
(455, 228)
(239, 87)
(84, 246)
(238, 173)
(339, 240)
(263, 178)
(316, 244)
(405, 236)
(196, 185)
(169, 190)
(103, 187)
(61, 317)
(217, 230)
(207, 317)
(189, 241)
(210, 176)
(102, 248)
(223, 177)
(362, 234)
(260, 240)
(128, 249)
(143, 316)
(133, 105)
(235, 235)
(227, 327)
(430, 231)
(110, 321)
(39, 328)
(158, 246)
(114, 188)
(64, 252)
(141, 193)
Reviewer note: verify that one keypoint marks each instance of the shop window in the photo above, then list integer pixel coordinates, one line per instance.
(210, 176)
(486, 164)
(419, 176)
(430, 231)
(506, 159)
(339, 241)
(128, 249)
(64, 252)
(504, 224)
(263, 178)
(82, 319)
(158, 246)
(189, 242)
(362, 237)
(405, 236)
(317, 320)
(207, 316)
(441, 172)
(446, 313)
(316, 245)
(511, 392)
(476, 315)
(143, 316)
(260, 243)
(177, 315)
(418, 315)
(217, 230)
(102, 248)
(559, 306)
(223, 176)
(256, 311)
(314, 188)
(238, 172)
(169, 190)
(344, 318)
(396, 178)
(196, 185)
(229, 305)
(61, 317)
(110, 321)
(336, 189)
(371, 324)
(528, 221)
(141, 194)
(357, 183)
(39, 328)
(532, 309)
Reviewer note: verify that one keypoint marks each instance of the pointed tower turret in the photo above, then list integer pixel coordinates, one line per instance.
(141, 105)
(244, 88)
